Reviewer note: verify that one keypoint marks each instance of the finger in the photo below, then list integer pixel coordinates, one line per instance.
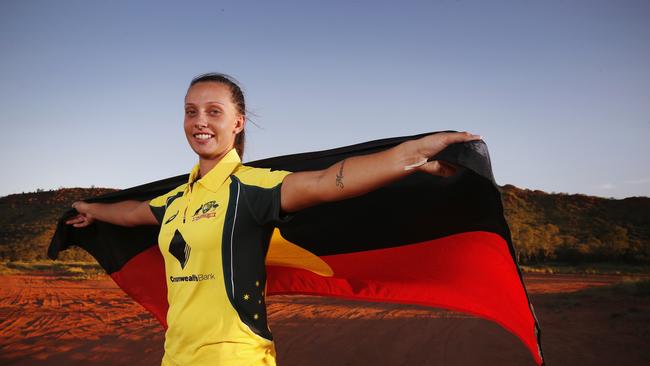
(75, 220)
(467, 136)
(85, 222)
(447, 169)
(440, 168)
(80, 206)
(416, 165)
(433, 167)
(456, 137)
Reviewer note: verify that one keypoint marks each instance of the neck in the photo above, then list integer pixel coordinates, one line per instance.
(206, 164)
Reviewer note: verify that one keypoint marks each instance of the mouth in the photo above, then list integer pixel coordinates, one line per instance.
(202, 136)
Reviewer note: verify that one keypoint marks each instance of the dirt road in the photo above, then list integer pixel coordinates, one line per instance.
(46, 320)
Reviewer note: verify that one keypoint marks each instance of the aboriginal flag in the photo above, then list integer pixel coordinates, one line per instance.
(428, 240)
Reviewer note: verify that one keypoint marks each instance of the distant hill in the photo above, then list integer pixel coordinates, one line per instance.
(577, 227)
(545, 227)
(28, 220)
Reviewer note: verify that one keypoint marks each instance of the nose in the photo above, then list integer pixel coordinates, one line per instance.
(201, 122)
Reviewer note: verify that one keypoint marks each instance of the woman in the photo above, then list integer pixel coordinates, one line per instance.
(215, 228)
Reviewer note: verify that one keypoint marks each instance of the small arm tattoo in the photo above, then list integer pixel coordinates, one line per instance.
(339, 176)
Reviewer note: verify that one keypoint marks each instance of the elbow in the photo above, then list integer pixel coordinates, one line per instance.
(303, 190)
(321, 192)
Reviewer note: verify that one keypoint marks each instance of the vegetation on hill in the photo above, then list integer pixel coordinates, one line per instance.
(28, 221)
(545, 227)
(577, 228)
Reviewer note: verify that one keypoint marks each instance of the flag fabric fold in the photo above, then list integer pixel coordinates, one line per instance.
(428, 240)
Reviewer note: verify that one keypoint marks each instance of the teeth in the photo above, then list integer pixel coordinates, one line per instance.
(202, 136)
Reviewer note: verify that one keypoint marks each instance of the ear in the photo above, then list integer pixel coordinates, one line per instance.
(240, 123)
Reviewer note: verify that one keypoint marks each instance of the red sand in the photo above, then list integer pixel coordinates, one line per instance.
(45, 320)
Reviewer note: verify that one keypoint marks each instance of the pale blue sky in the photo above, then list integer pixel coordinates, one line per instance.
(91, 91)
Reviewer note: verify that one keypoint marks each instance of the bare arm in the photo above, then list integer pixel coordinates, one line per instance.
(125, 213)
(361, 174)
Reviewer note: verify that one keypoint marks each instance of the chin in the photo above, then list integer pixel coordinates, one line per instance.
(209, 155)
(204, 151)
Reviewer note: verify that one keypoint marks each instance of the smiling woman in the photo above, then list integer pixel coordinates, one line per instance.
(225, 215)
(210, 109)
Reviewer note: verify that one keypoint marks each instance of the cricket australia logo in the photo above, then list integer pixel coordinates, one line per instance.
(205, 211)
(179, 249)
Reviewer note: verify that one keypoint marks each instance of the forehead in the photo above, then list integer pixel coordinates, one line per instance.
(205, 92)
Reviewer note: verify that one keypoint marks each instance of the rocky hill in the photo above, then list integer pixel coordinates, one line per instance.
(545, 227)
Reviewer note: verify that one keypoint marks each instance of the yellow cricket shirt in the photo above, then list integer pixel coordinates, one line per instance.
(214, 238)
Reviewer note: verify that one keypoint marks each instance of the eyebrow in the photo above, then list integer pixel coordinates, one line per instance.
(208, 102)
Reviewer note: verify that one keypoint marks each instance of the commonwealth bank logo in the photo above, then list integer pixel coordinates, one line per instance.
(179, 249)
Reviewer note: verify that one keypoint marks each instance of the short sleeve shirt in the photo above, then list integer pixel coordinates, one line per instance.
(214, 236)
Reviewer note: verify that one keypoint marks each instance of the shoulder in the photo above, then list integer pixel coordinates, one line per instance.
(260, 177)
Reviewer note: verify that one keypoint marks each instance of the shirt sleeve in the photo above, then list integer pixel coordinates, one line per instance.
(264, 200)
(159, 204)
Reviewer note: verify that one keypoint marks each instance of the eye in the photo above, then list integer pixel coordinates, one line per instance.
(214, 112)
(190, 112)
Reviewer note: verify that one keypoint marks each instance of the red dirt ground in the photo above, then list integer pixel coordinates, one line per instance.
(48, 320)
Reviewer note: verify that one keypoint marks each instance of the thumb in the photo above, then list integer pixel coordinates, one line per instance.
(440, 168)
(80, 206)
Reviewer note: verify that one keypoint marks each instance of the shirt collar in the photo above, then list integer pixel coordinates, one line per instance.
(218, 174)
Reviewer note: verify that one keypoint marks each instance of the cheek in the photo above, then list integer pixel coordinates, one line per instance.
(220, 126)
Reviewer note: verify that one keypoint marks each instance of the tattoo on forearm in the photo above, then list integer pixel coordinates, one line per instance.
(339, 176)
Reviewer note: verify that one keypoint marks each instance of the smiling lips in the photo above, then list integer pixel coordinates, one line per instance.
(203, 136)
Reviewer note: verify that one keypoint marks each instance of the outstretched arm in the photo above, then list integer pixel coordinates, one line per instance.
(125, 213)
(361, 174)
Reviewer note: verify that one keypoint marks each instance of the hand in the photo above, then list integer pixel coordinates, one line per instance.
(430, 145)
(84, 218)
